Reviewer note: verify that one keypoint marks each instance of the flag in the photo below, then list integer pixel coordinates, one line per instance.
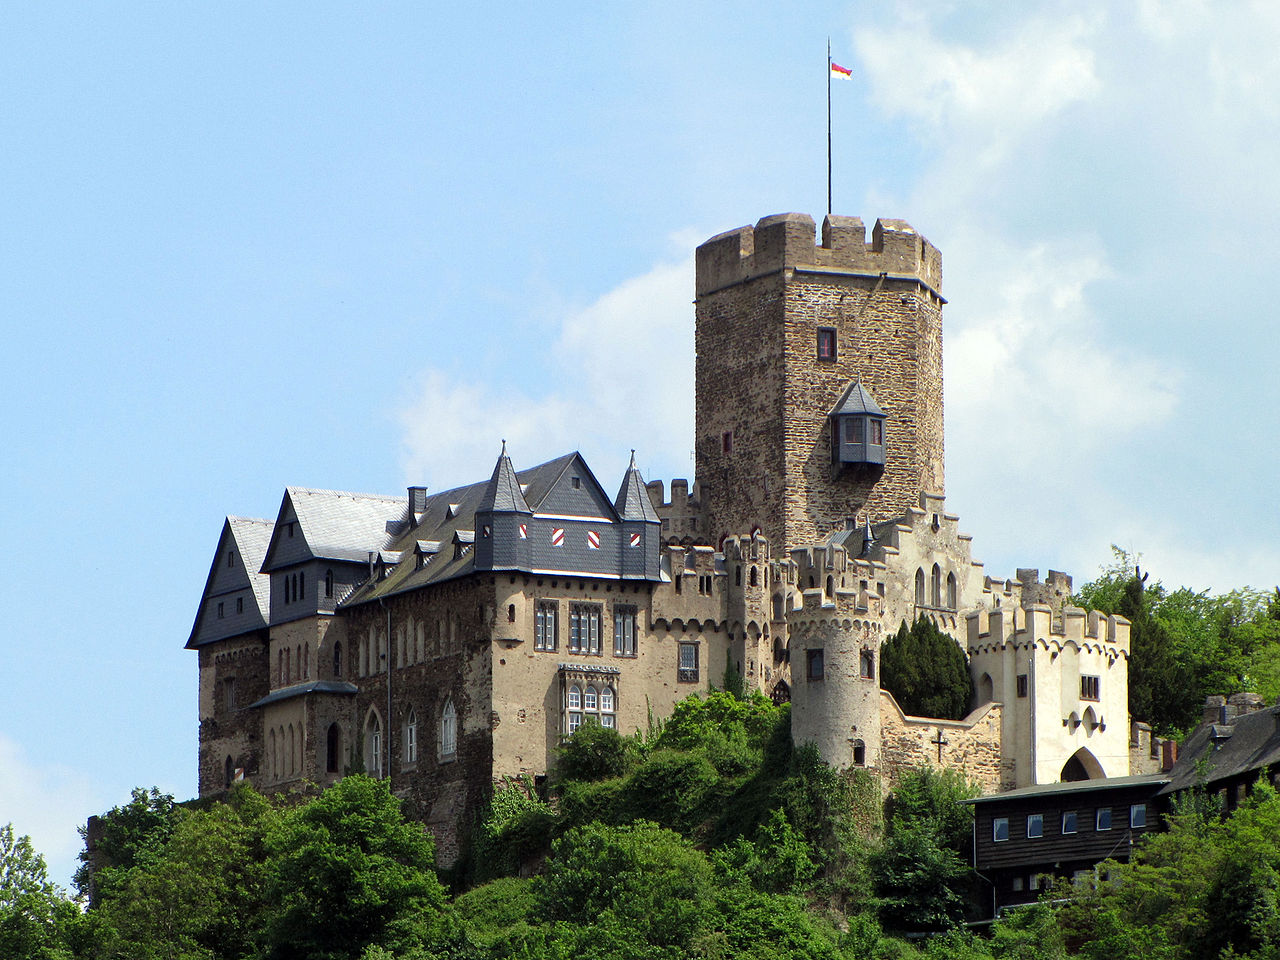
(593, 540)
(838, 72)
(557, 537)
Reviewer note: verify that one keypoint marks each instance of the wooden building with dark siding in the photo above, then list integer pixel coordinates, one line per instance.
(1023, 836)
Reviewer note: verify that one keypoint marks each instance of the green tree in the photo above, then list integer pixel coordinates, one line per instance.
(202, 895)
(348, 871)
(33, 912)
(921, 873)
(126, 835)
(926, 671)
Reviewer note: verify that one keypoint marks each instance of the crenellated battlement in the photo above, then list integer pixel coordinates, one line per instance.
(789, 240)
(1034, 623)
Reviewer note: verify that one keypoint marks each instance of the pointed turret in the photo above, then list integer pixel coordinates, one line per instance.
(633, 501)
(641, 526)
(501, 540)
(503, 494)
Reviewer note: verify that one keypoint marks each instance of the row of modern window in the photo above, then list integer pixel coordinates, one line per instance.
(586, 634)
(1070, 822)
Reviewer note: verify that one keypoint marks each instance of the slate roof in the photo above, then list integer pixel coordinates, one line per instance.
(346, 526)
(857, 399)
(251, 537)
(633, 501)
(1245, 747)
(302, 689)
(438, 523)
(502, 493)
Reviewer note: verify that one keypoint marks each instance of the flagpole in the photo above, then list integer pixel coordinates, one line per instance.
(828, 126)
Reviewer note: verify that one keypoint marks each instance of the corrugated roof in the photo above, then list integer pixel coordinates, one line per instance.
(1207, 756)
(1074, 786)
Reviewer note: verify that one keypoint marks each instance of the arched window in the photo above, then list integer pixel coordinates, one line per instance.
(737, 575)
(589, 700)
(920, 586)
(230, 771)
(302, 587)
(573, 700)
(337, 658)
(951, 591)
(411, 737)
(373, 744)
(831, 587)
(935, 587)
(328, 584)
(333, 748)
(511, 613)
(754, 576)
(293, 748)
(607, 717)
(298, 666)
(306, 660)
(448, 731)
(867, 665)
(859, 753)
(272, 769)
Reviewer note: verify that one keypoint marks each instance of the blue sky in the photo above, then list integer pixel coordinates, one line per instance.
(354, 249)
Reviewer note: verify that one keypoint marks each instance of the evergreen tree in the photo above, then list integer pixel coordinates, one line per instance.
(926, 671)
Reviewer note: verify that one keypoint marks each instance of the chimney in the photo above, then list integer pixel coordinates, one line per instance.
(1214, 709)
(417, 504)
(1168, 755)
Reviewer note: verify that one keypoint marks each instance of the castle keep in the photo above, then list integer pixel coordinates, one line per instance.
(445, 640)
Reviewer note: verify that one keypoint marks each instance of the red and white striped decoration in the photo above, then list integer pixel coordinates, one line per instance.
(593, 540)
(635, 539)
(524, 531)
(557, 537)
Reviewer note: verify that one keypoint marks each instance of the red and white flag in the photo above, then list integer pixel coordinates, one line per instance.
(635, 539)
(557, 537)
(593, 540)
(840, 73)
(524, 531)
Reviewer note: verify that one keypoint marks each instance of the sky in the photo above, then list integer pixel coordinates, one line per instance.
(355, 248)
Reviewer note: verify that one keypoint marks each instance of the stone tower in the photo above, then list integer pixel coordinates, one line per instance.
(785, 330)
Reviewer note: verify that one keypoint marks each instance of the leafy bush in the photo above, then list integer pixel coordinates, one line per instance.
(594, 752)
(515, 828)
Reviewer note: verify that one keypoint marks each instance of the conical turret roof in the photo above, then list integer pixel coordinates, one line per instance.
(502, 492)
(858, 399)
(633, 501)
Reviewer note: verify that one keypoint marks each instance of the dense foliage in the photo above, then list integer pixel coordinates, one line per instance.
(926, 671)
(1187, 645)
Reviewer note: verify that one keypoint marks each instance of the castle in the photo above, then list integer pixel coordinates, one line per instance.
(448, 640)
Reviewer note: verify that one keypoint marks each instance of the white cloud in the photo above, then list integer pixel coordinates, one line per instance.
(47, 803)
(619, 374)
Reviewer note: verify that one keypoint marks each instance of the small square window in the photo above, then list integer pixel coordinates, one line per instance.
(1017, 885)
(1069, 822)
(826, 343)
(1000, 829)
(1103, 821)
(1035, 826)
(813, 664)
(1089, 688)
(1022, 685)
(1138, 816)
(1033, 882)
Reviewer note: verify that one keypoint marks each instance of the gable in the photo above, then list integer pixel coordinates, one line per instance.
(236, 596)
(575, 492)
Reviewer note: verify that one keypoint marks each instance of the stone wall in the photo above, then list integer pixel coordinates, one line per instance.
(763, 444)
(233, 674)
(971, 746)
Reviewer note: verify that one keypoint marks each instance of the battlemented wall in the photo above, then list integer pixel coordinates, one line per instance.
(763, 441)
